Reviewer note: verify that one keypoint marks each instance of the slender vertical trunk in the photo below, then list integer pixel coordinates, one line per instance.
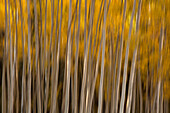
(147, 87)
(57, 68)
(160, 67)
(36, 60)
(97, 64)
(102, 62)
(134, 95)
(139, 76)
(64, 81)
(68, 59)
(3, 81)
(49, 54)
(113, 97)
(85, 20)
(4, 64)
(23, 97)
(122, 102)
(41, 59)
(16, 59)
(109, 76)
(111, 66)
(97, 29)
(11, 64)
(158, 93)
(71, 93)
(137, 92)
(152, 77)
(120, 60)
(41, 47)
(89, 77)
(44, 67)
(76, 60)
(54, 62)
(29, 60)
(161, 99)
(154, 101)
(73, 34)
(139, 83)
(129, 99)
(34, 88)
(85, 61)
(97, 44)
(8, 76)
(93, 52)
(95, 77)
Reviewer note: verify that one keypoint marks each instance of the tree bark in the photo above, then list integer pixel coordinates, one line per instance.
(113, 97)
(4, 64)
(36, 60)
(134, 95)
(126, 63)
(109, 76)
(89, 77)
(11, 65)
(68, 59)
(23, 97)
(120, 60)
(95, 77)
(76, 60)
(85, 61)
(100, 99)
(44, 67)
(57, 68)
(29, 60)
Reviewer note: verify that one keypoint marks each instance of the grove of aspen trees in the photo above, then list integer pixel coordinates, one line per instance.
(84, 56)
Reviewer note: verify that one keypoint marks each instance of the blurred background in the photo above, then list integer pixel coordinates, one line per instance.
(83, 56)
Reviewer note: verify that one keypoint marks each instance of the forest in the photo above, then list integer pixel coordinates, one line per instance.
(85, 56)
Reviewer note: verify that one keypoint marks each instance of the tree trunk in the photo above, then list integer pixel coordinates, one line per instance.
(4, 64)
(36, 60)
(120, 60)
(109, 76)
(113, 97)
(68, 60)
(76, 60)
(44, 67)
(85, 59)
(102, 62)
(134, 95)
